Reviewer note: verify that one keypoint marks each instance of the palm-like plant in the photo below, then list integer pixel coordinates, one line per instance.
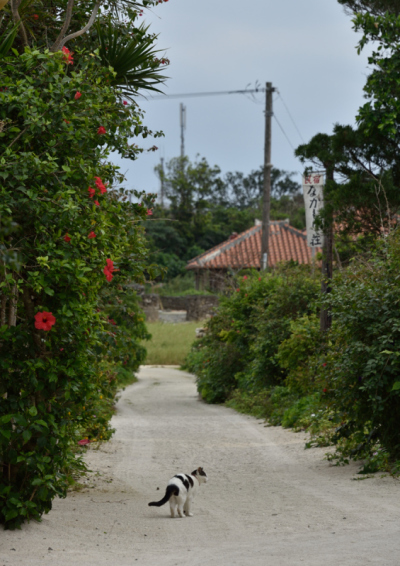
(132, 58)
(7, 38)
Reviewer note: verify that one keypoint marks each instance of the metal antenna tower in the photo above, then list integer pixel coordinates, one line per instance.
(183, 127)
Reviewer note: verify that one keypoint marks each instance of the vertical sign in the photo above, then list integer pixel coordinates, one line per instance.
(313, 190)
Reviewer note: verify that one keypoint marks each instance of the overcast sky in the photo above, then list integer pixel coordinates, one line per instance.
(305, 48)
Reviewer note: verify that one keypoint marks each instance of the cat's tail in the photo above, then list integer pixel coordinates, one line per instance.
(169, 492)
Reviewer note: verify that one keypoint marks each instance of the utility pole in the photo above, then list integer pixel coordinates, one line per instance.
(162, 183)
(327, 263)
(183, 127)
(267, 178)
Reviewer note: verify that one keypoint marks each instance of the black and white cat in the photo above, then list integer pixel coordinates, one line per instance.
(180, 492)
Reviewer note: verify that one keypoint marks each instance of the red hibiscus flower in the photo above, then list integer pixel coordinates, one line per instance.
(101, 130)
(91, 192)
(92, 235)
(68, 56)
(44, 320)
(108, 270)
(77, 95)
(67, 121)
(83, 442)
(244, 276)
(149, 212)
(36, 16)
(100, 185)
(67, 238)
(96, 202)
(124, 103)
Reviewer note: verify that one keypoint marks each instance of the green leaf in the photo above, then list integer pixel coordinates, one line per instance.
(396, 386)
(6, 433)
(12, 513)
(33, 411)
(5, 419)
(26, 435)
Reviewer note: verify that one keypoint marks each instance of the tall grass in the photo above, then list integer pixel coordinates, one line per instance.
(170, 343)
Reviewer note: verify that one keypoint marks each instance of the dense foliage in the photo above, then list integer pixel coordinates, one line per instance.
(373, 7)
(362, 372)
(71, 242)
(240, 346)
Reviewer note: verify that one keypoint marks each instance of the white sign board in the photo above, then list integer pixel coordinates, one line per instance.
(313, 190)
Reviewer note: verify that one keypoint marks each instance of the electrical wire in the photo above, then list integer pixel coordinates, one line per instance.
(283, 131)
(291, 117)
(197, 94)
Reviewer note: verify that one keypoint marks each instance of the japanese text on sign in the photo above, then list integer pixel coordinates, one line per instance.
(313, 186)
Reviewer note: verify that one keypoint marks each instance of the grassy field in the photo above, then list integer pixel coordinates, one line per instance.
(170, 342)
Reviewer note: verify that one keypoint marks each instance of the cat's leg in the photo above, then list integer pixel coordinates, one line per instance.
(180, 502)
(172, 506)
(187, 507)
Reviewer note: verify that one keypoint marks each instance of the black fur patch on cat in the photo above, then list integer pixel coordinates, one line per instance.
(183, 480)
(200, 471)
(190, 480)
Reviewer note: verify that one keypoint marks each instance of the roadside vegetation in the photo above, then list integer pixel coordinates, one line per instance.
(71, 330)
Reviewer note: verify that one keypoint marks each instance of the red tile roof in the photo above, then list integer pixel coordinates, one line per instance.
(285, 243)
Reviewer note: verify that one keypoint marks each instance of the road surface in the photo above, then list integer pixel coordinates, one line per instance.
(267, 502)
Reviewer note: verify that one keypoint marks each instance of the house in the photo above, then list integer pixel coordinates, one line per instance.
(243, 251)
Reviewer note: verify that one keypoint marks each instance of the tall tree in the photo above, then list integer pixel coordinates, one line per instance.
(365, 197)
(373, 7)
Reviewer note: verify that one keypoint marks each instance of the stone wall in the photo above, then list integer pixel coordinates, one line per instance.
(201, 306)
(150, 305)
(174, 303)
(197, 307)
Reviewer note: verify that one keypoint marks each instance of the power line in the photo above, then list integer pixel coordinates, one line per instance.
(290, 116)
(196, 94)
(283, 131)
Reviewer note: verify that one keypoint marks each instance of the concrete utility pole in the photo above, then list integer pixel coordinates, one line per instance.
(327, 264)
(183, 127)
(267, 177)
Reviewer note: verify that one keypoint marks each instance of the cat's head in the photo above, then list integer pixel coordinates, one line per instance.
(200, 475)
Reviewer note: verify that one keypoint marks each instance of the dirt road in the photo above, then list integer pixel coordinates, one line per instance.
(267, 502)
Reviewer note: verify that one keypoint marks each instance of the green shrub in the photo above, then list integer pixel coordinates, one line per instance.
(363, 368)
(242, 339)
(279, 406)
(293, 294)
(301, 354)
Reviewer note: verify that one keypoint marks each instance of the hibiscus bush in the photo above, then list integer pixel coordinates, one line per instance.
(78, 241)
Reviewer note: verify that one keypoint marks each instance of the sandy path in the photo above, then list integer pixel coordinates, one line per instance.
(268, 501)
